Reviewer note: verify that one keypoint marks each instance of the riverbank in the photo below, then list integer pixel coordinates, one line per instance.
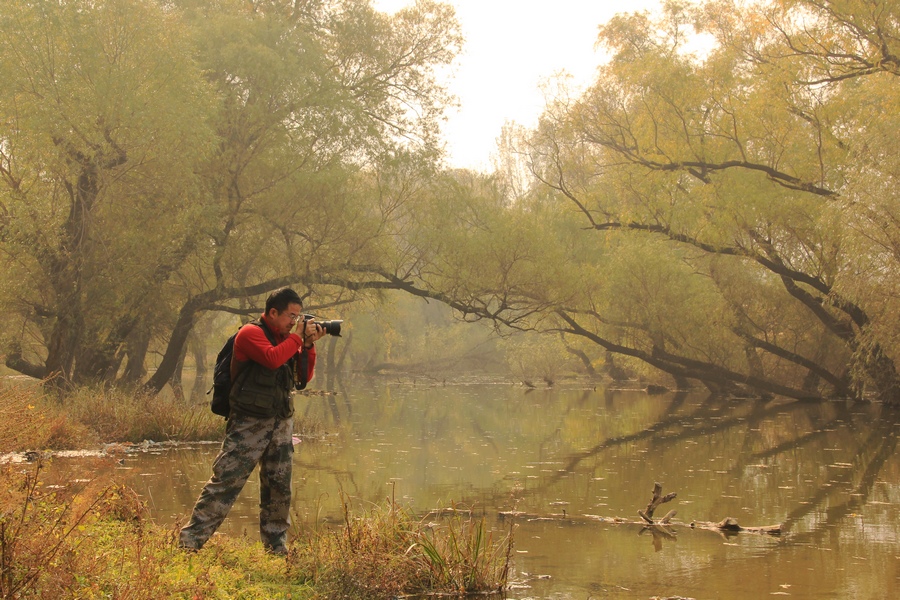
(86, 535)
(69, 537)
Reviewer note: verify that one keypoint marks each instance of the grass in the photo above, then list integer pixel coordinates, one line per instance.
(91, 416)
(66, 536)
(389, 553)
(134, 416)
(95, 540)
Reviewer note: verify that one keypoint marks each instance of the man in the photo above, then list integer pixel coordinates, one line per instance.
(266, 360)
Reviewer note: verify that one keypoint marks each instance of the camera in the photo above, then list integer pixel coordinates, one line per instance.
(331, 327)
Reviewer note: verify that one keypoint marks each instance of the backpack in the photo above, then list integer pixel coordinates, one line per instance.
(221, 387)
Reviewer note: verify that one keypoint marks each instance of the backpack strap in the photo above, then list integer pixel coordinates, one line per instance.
(262, 325)
(302, 371)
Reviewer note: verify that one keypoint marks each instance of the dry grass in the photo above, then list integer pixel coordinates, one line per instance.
(28, 421)
(61, 537)
(133, 416)
(387, 553)
(42, 525)
(32, 420)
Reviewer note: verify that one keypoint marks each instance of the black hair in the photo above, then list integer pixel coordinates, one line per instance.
(280, 298)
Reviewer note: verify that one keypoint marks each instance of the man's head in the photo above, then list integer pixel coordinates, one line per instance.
(284, 309)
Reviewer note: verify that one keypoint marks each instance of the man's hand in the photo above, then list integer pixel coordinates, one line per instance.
(312, 331)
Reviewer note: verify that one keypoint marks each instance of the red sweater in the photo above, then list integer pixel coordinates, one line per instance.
(251, 343)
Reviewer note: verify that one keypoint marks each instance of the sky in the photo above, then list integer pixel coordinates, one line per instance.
(513, 48)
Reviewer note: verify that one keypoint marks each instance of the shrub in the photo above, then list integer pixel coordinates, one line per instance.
(28, 421)
(38, 529)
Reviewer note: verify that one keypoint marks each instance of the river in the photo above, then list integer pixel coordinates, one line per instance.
(572, 459)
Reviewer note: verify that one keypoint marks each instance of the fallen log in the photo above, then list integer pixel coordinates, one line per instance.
(727, 525)
(730, 525)
(666, 522)
(660, 529)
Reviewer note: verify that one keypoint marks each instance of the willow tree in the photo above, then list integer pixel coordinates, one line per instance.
(747, 174)
(292, 127)
(102, 121)
(328, 107)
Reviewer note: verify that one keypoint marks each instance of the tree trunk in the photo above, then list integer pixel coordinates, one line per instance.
(882, 371)
(177, 341)
(185, 324)
(63, 277)
(585, 360)
(137, 345)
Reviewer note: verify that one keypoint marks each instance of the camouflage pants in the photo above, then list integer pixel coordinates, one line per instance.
(248, 441)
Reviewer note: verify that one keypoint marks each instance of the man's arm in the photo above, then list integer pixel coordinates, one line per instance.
(251, 343)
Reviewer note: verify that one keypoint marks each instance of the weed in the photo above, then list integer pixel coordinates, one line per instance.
(28, 421)
(461, 556)
(388, 553)
(133, 416)
(36, 529)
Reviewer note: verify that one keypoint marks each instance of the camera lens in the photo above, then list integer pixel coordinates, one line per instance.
(332, 327)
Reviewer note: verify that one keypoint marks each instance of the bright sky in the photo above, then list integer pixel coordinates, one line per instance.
(512, 48)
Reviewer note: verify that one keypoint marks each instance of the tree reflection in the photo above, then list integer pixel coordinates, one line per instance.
(769, 434)
(832, 499)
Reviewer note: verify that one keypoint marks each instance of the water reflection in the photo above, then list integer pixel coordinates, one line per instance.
(572, 467)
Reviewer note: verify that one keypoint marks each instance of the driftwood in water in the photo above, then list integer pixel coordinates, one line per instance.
(725, 526)
(658, 498)
(730, 525)
(662, 528)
